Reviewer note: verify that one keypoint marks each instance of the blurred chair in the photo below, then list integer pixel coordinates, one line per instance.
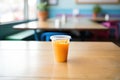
(113, 28)
(112, 31)
(100, 35)
(45, 36)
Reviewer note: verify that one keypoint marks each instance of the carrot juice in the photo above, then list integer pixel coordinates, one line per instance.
(60, 48)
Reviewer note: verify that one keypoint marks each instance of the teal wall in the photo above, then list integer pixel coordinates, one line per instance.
(66, 7)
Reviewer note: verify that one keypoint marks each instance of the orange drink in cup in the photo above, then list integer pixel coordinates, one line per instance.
(60, 45)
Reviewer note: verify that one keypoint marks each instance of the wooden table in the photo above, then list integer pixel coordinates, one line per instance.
(30, 60)
(79, 24)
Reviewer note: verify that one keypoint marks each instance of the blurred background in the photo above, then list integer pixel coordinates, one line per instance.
(14, 12)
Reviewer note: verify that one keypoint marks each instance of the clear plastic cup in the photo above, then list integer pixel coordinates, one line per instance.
(60, 45)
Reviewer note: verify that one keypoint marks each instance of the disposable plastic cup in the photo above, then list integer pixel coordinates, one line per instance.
(60, 44)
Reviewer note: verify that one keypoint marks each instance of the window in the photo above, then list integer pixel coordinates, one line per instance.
(17, 10)
(32, 10)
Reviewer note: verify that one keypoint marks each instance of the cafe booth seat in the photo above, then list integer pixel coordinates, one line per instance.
(45, 36)
(98, 35)
(23, 35)
(113, 26)
(105, 35)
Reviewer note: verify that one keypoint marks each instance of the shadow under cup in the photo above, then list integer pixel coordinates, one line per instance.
(60, 45)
